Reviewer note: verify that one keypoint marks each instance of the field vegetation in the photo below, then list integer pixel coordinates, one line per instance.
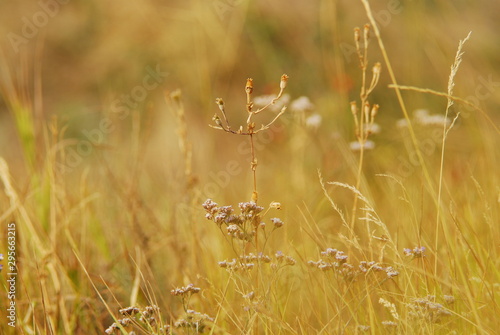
(250, 167)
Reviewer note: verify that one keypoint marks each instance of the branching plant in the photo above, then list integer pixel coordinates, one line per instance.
(253, 273)
(364, 115)
(250, 129)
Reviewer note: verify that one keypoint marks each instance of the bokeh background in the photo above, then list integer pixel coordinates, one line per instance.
(68, 65)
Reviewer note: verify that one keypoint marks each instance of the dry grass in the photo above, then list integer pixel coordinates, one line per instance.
(374, 225)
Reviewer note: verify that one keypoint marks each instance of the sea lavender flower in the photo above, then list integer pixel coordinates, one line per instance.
(417, 252)
(277, 222)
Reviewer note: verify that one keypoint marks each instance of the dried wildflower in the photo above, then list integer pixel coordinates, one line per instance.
(125, 322)
(423, 117)
(346, 270)
(275, 205)
(250, 209)
(232, 229)
(354, 108)
(372, 128)
(329, 252)
(211, 208)
(111, 329)
(249, 86)
(250, 295)
(150, 310)
(129, 311)
(301, 104)
(277, 222)
(290, 260)
(217, 120)
(341, 257)
(283, 82)
(224, 216)
(366, 32)
(260, 257)
(401, 123)
(193, 320)
(357, 34)
(279, 255)
(391, 272)
(229, 265)
(449, 299)
(428, 309)
(314, 121)
(417, 252)
(356, 146)
(189, 289)
(365, 266)
(250, 124)
(324, 266)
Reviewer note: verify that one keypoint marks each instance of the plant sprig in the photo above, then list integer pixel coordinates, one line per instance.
(223, 124)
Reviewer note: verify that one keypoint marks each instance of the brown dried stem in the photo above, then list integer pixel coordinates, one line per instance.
(364, 116)
(250, 125)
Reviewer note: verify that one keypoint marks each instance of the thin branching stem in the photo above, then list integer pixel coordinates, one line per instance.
(250, 126)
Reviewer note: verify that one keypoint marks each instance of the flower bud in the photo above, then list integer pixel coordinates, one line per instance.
(249, 86)
(217, 120)
(366, 32)
(284, 80)
(354, 108)
(374, 111)
(356, 34)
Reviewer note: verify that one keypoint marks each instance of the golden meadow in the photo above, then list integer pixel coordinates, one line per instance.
(249, 167)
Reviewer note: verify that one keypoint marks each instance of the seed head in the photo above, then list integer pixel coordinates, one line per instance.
(366, 32)
(275, 205)
(129, 311)
(217, 120)
(249, 86)
(374, 111)
(219, 102)
(277, 222)
(284, 80)
(354, 108)
(356, 34)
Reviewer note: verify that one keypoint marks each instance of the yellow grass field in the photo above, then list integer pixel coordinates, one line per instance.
(250, 167)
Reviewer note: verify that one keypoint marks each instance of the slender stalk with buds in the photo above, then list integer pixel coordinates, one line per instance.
(250, 130)
(364, 116)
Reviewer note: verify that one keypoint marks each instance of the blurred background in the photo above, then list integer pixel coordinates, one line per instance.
(92, 142)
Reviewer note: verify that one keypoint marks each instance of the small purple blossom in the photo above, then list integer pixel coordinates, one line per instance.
(417, 252)
(250, 209)
(224, 215)
(277, 222)
(341, 257)
(279, 255)
(211, 208)
(329, 252)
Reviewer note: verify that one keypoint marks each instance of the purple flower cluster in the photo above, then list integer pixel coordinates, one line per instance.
(417, 252)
